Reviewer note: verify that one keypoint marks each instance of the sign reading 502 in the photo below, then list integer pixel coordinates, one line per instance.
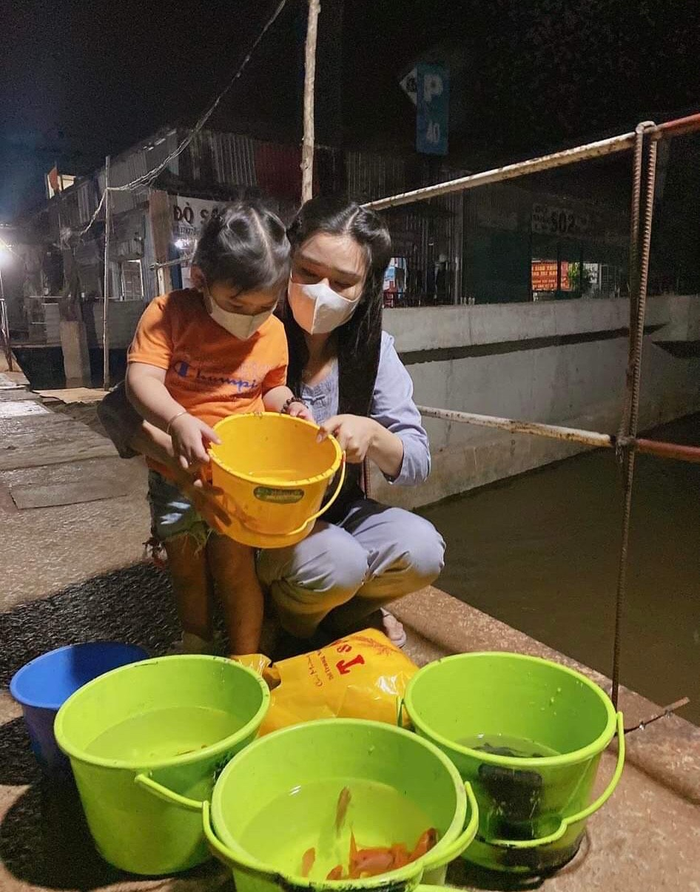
(551, 220)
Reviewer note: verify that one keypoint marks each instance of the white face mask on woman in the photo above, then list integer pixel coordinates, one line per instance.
(317, 308)
(240, 326)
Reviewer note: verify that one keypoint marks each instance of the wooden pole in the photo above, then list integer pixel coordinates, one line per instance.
(307, 148)
(106, 288)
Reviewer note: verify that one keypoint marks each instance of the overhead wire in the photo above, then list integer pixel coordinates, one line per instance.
(146, 180)
(95, 215)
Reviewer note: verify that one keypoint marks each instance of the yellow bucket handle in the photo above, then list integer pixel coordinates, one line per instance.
(324, 508)
(313, 517)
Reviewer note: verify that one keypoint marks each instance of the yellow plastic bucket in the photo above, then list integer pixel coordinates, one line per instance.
(274, 475)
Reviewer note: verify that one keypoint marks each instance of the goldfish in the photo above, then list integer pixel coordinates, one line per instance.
(307, 862)
(372, 862)
(342, 809)
(426, 842)
(401, 856)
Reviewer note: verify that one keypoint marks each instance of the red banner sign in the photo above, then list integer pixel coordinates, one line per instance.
(544, 275)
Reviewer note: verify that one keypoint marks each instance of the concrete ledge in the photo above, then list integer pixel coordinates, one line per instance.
(684, 324)
(435, 328)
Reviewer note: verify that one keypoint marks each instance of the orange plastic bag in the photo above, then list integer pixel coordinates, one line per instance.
(361, 676)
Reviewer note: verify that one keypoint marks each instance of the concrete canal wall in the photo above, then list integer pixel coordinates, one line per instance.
(558, 362)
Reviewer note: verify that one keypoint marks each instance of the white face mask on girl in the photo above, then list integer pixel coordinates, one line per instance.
(240, 326)
(317, 308)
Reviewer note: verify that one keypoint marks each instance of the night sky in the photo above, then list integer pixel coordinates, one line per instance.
(78, 80)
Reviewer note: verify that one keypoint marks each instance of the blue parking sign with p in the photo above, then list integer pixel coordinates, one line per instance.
(433, 107)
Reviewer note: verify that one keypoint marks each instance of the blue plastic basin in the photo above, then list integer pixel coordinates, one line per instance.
(42, 686)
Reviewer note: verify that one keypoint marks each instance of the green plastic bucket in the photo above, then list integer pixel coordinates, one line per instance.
(291, 780)
(533, 810)
(147, 739)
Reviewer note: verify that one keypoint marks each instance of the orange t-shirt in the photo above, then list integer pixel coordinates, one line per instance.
(209, 372)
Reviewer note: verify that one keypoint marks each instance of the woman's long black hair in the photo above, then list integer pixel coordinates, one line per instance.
(359, 339)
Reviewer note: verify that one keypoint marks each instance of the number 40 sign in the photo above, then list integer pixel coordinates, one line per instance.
(433, 105)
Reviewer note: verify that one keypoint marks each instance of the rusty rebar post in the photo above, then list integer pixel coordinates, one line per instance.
(634, 370)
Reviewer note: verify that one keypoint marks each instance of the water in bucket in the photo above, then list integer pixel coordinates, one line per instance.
(305, 817)
(508, 745)
(164, 733)
(285, 475)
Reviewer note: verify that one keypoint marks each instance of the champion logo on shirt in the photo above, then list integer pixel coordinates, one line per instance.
(196, 376)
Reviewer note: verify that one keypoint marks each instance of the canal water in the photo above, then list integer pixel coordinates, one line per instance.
(540, 552)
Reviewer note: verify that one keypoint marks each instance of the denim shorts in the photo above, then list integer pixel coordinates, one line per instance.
(172, 513)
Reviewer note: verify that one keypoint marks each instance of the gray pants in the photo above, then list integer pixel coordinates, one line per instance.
(375, 555)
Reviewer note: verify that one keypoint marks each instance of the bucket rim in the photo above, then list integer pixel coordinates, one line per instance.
(54, 705)
(221, 746)
(273, 481)
(582, 754)
(403, 874)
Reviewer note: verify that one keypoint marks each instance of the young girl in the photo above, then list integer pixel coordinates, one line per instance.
(200, 355)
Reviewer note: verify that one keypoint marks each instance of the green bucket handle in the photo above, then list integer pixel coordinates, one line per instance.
(241, 862)
(465, 837)
(160, 792)
(401, 713)
(584, 813)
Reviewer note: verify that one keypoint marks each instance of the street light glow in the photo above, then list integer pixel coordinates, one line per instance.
(5, 252)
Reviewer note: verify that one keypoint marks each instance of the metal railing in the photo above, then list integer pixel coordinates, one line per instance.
(624, 142)
(642, 142)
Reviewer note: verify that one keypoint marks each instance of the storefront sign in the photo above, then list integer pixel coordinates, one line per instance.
(544, 275)
(189, 215)
(432, 115)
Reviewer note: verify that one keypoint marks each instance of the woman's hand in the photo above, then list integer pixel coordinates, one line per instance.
(191, 440)
(356, 435)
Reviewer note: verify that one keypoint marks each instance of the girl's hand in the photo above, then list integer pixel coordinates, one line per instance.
(191, 439)
(299, 410)
(355, 434)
